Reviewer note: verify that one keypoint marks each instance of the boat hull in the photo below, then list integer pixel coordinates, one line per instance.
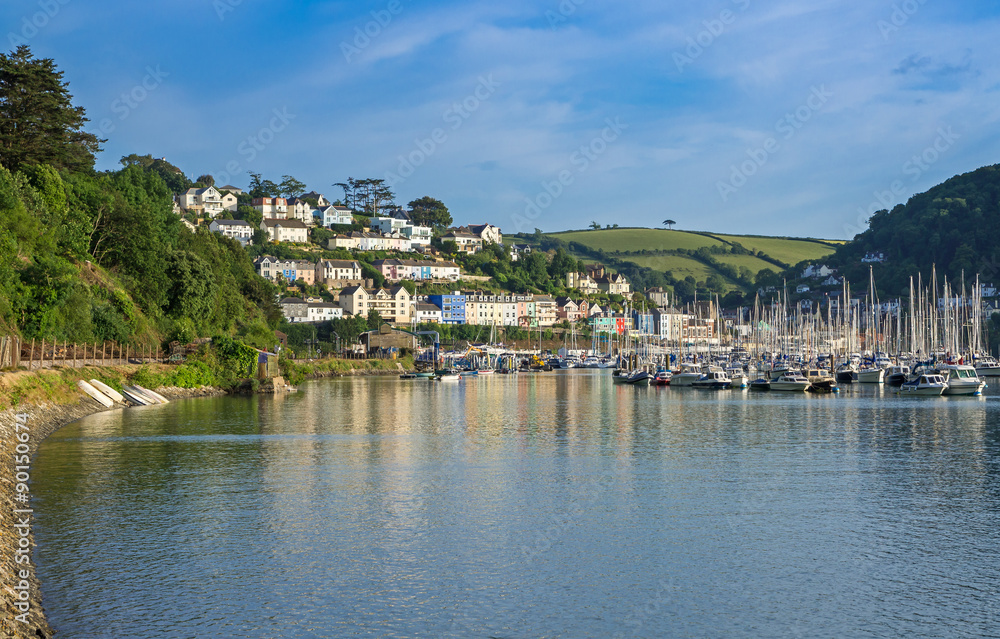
(871, 376)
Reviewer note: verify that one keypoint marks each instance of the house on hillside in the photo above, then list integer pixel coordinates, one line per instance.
(285, 230)
(330, 215)
(467, 242)
(239, 230)
(338, 273)
(205, 202)
(271, 208)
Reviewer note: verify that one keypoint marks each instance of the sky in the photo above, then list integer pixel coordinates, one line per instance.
(741, 116)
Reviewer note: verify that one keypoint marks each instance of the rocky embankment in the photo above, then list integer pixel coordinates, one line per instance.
(21, 431)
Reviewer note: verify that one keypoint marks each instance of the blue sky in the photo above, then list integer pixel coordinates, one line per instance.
(745, 116)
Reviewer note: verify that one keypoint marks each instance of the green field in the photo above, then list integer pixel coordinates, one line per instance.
(637, 239)
(790, 251)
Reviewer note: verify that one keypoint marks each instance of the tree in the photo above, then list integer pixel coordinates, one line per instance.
(374, 319)
(669, 223)
(449, 247)
(38, 122)
(290, 187)
(374, 195)
(595, 226)
(428, 211)
(206, 179)
(262, 188)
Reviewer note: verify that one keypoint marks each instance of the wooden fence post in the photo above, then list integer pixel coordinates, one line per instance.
(65, 352)
(126, 351)
(104, 353)
(41, 362)
(31, 354)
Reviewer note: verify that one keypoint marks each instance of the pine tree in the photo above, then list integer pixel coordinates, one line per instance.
(38, 122)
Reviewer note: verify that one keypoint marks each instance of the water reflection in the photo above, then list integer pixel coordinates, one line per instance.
(556, 505)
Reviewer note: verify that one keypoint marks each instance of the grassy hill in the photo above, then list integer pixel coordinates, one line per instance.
(734, 260)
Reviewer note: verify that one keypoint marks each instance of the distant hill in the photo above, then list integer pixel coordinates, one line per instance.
(716, 263)
(954, 226)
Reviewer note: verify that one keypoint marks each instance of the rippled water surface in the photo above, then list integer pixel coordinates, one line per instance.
(546, 505)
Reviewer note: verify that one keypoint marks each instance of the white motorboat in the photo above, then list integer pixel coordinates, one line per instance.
(871, 375)
(926, 384)
(790, 382)
(739, 379)
(688, 375)
(987, 367)
(714, 378)
(962, 380)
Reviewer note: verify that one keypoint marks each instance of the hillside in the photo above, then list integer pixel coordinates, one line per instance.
(710, 262)
(954, 227)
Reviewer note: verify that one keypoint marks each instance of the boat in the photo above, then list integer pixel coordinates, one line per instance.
(484, 371)
(847, 373)
(738, 378)
(961, 380)
(107, 390)
(135, 397)
(408, 376)
(449, 375)
(425, 374)
(761, 383)
(97, 395)
(896, 375)
(713, 379)
(926, 384)
(821, 381)
(662, 378)
(987, 367)
(160, 399)
(794, 382)
(871, 375)
(635, 378)
(688, 375)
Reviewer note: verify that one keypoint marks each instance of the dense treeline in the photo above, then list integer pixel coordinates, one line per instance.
(89, 256)
(954, 226)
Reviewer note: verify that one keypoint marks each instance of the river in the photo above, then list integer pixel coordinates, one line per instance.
(537, 505)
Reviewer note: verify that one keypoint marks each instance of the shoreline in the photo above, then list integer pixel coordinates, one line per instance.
(42, 420)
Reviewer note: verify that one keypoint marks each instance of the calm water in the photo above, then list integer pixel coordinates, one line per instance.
(548, 505)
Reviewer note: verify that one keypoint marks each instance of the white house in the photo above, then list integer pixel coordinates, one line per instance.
(418, 235)
(817, 271)
(229, 202)
(239, 230)
(207, 201)
(323, 311)
(294, 309)
(285, 230)
(318, 198)
(299, 209)
(330, 214)
(427, 313)
(487, 232)
(338, 271)
(388, 225)
(802, 288)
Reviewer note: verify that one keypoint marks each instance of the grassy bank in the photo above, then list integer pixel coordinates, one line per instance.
(57, 386)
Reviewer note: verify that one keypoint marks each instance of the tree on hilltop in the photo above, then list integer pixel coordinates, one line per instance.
(38, 122)
(669, 223)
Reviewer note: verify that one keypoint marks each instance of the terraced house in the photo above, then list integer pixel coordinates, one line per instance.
(394, 304)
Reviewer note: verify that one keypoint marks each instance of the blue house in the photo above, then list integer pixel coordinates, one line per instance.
(452, 307)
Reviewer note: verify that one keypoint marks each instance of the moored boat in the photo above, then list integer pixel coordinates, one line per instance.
(713, 379)
(662, 378)
(926, 384)
(896, 375)
(794, 382)
(761, 383)
(821, 381)
(688, 375)
(635, 378)
(961, 380)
